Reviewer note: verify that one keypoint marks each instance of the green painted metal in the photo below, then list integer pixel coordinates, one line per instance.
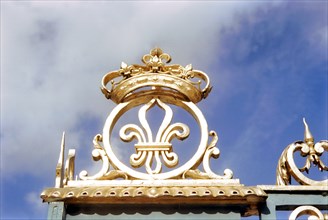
(279, 201)
(56, 211)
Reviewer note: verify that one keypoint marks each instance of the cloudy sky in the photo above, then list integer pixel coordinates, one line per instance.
(267, 61)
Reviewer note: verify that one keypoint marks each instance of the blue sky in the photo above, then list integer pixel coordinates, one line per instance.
(267, 61)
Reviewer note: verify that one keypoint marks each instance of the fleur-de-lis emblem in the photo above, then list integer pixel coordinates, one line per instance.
(148, 148)
(313, 151)
(154, 60)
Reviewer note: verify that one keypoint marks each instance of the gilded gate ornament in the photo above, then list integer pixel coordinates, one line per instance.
(144, 87)
(153, 169)
(287, 167)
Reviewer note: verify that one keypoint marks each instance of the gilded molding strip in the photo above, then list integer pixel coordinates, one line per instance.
(108, 192)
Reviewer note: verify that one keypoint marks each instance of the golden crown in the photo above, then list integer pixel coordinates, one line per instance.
(156, 79)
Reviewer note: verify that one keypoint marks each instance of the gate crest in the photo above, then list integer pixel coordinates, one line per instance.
(143, 87)
(156, 172)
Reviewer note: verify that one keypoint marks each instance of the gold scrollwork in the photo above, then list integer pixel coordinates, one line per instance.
(159, 149)
(313, 212)
(100, 154)
(211, 151)
(287, 167)
(147, 148)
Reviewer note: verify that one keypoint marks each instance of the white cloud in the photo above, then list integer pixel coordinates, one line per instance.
(33, 200)
(54, 55)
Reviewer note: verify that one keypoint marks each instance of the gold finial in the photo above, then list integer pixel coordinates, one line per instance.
(155, 58)
(156, 51)
(308, 138)
(287, 167)
(60, 164)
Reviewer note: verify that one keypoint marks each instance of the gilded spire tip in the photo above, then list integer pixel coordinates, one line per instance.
(307, 134)
(156, 51)
(60, 164)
